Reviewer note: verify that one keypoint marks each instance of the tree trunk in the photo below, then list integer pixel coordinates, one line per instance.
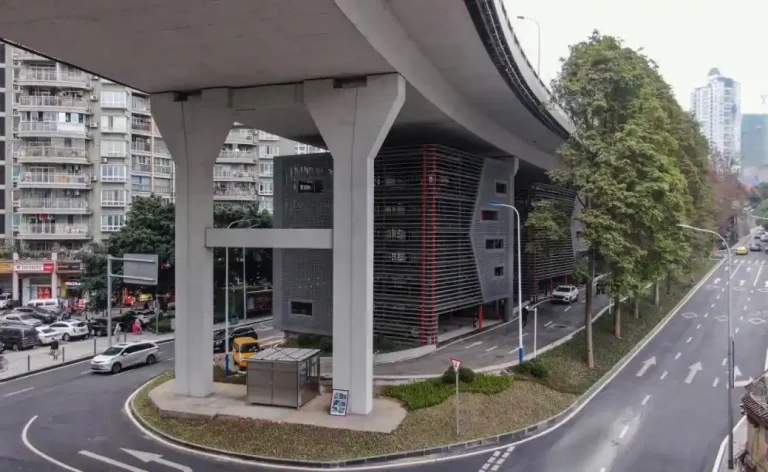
(636, 307)
(656, 294)
(590, 357)
(617, 317)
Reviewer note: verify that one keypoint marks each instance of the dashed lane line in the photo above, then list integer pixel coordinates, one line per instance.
(677, 356)
(496, 460)
(663, 375)
(491, 348)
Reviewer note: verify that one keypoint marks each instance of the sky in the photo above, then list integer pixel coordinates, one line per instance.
(686, 38)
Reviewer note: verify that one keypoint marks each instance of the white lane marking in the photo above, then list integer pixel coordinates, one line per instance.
(677, 356)
(526, 334)
(32, 448)
(736, 330)
(741, 318)
(757, 277)
(109, 461)
(692, 371)
(496, 460)
(717, 281)
(698, 326)
(646, 365)
(717, 381)
(18, 392)
(663, 375)
(766, 360)
(645, 400)
(713, 305)
(476, 343)
(733, 272)
(749, 298)
(706, 314)
(725, 361)
(717, 297)
(547, 323)
(742, 282)
(745, 307)
(569, 307)
(624, 431)
(689, 340)
(491, 348)
(514, 351)
(170, 358)
(749, 268)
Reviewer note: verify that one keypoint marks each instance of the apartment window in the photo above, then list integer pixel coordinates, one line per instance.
(266, 204)
(498, 271)
(16, 222)
(494, 244)
(113, 98)
(489, 215)
(112, 222)
(113, 173)
(266, 188)
(2, 158)
(301, 307)
(269, 151)
(2, 95)
(266, 168)
(502, 188)
(115, 197)
(114, 123)
(114, 148)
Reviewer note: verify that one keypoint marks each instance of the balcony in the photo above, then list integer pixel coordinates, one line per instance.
(140, 106)
(143, 128)
(141, 168)
(140, 147)
(163, 171)
(240, 136)
(233, 175)
(51, 155)
(53, 77)
(234, 195)
(22, 55)
(110, 203)
(53, 231)
(141, 188)
(236, 157)
(264, 136)
(28, 103)
(52, 206)
(113, 153)
(31, 129)
(54, 180)
(268, 173)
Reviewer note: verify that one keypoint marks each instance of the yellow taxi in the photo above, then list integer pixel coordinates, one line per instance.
(741, 251)
(242, 349)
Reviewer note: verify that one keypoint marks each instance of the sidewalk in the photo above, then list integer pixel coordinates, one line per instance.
(739, 445)
(36, 359)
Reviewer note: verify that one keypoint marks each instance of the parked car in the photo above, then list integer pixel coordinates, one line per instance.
(97, 326)
(754, 247)
(6, 301)
(243, 348)
(565, 294)
(71, 329)
(46, 335)
(741, 251)
(16, 318)
(45, 317)
(234, 333)
(18, 337)
(124, 355)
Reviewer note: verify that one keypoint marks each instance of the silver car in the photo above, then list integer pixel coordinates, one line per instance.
(20, 319)
(124, 355)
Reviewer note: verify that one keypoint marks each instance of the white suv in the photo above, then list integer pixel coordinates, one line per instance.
(123, 355)
(565, 294)
(70, 329)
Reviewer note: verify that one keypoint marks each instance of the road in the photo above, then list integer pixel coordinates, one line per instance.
(667, 409)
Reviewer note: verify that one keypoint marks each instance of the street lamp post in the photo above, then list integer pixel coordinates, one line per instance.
(730, 342)
(521, 349)
(226, 296)
(538, 42)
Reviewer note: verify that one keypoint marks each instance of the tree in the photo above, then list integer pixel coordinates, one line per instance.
(94, 276)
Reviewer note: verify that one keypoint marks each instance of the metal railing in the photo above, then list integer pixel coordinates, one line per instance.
(58, 102)
(53, 203)
(233, 174)
(141, 168)
(141, 187)
(141, 147)
(234, 192)
(51, 151)
(144, 127)
(52, 75)
(240, 156)
(54, 228)
(54, 178)
(52, 127)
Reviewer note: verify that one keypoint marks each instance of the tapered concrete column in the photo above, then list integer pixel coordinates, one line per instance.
(194, 126)
(514, 165)
(15, 288)
(354, 119)
(54, 277)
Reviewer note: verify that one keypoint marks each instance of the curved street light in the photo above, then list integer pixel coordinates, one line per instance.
(538, 42)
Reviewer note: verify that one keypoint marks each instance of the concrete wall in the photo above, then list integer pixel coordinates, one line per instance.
(493, 287)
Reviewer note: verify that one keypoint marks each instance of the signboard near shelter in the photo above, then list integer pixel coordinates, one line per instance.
(32, 267)
(140, 269)
(339, 402)
(73, 267)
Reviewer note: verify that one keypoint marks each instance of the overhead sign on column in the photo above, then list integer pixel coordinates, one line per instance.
(140, 269)
(31, 267)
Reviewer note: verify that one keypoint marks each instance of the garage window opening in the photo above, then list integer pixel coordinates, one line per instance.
(494, 244)
(301, 308)
(498, 271)
(501, 187)
(489, 215)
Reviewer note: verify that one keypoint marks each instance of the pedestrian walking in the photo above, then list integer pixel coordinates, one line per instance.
(526, 310)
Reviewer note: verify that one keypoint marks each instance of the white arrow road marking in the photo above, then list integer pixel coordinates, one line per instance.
(646, 365)
(757, 277)
(742, 282)
(766, 284)
(736, 331)
(717, 381)
(717, 297)
(749, 268)
(736, 372)
(693, 370)
(725, 361)
(743, 383)
(717, 281)
(112, 462)
(476, 343)
(147, 457)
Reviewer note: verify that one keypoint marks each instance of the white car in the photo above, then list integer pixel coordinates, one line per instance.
(565, 294)
(70, 329)
(123, 355)
(47, 335)
(20, 319)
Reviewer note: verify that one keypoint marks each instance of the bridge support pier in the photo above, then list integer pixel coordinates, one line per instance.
(354, 118)
(194, 127)
(514, 165)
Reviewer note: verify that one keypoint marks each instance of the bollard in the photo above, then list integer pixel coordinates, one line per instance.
(63, 353)
(29, 362)
(94, 346)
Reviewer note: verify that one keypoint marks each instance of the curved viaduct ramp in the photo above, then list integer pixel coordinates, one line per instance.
(469, 85)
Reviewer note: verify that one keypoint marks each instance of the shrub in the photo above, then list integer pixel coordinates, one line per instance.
(219, 375)
(427, 393)
(466, 375)
(535, 368)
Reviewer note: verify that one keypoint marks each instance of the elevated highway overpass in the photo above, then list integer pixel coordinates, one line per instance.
(343, 74)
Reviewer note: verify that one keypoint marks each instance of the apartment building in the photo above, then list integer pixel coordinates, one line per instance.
(717, 107)
(6, 131)
(271, 146)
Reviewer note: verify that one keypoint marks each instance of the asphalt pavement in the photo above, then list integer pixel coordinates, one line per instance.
(667, 409)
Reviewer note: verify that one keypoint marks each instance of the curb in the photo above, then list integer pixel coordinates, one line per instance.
(63, 364)
(476, 446)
